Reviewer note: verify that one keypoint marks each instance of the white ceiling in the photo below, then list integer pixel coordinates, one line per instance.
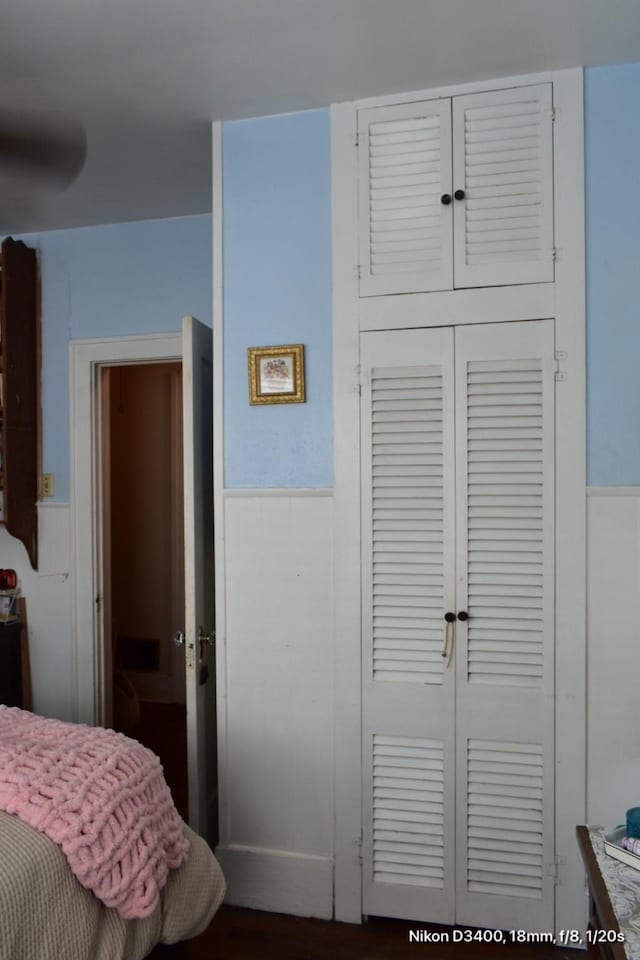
(147, 77)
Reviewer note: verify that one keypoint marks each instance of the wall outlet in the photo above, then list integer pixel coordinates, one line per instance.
(46, 485)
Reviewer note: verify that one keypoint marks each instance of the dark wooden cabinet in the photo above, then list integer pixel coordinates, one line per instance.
(19, 392)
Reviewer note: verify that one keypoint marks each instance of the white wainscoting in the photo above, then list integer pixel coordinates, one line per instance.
(47, 593)
(613, 653)
(276, 711)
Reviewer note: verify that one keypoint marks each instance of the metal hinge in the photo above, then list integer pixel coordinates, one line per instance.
(357, 387)
(559, 356)
(357, 139)
(358, 845)
(554, 255)
(554, 114)
(553, 870)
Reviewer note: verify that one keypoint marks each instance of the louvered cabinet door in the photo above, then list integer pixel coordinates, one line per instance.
(505, 650)
(408, 585)
(404, 169)
(502, 161)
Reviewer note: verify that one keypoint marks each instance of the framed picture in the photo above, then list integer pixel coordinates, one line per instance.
(276, 374)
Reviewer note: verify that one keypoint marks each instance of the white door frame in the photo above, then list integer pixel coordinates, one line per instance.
(86, 357)
(565, 299)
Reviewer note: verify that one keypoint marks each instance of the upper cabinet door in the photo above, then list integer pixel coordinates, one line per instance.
(404, 174)
(503, 187)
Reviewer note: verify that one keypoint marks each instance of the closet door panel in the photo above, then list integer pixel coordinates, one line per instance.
(404, 170)
(408, 585)
(505, 650)
(502, 149)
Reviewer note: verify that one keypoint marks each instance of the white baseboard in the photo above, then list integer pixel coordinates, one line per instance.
(278, 881)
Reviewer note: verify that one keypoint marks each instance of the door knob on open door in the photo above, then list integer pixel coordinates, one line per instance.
(179, 639)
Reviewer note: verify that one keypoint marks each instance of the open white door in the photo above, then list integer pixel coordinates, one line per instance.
(197, 373)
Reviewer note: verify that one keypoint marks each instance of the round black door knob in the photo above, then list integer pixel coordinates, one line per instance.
(445, 198)
(450, 617)
(459, 194)
(463, 615)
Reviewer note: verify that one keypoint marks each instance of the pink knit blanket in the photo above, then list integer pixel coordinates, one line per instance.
(99, 795)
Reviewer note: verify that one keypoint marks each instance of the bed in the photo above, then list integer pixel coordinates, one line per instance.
(48, 914)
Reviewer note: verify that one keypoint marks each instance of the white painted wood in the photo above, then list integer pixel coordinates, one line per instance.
(505, 651)
(458, 89)
(613, 769)
(405, 168)
(104, 641)
(197, 424)
(444, 308)
(277, 880)
(570, 492)
(503, 161)
(408, 482)
(85, 359)
(346, 520)
(218, 480)
(48, 596)
(568, 307)
(279, 582)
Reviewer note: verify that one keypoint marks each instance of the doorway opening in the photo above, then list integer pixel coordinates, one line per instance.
(143, 560)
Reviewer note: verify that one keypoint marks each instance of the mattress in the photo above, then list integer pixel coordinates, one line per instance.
(46, 913)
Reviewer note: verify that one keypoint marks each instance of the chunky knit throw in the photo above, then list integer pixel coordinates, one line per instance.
(99, 795)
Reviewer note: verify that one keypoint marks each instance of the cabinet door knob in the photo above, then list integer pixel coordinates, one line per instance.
(445, 199)
(463, 615)
(459, 194)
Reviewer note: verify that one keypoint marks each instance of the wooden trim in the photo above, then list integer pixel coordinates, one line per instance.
(224, 812)
(85, 359)
(454, 90)
(346, 557)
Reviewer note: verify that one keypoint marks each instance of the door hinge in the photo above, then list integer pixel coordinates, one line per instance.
(554, 254)
(357, 140)
(554, 114)
(560, 374)
(358, 850)
(553, 870)
(99, 603)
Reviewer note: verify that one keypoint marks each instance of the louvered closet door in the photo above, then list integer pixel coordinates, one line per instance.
(502, 160)
(408, 690)
(404, 169)
(505, 652)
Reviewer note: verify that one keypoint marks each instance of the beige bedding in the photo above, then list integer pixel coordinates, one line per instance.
(45, 914)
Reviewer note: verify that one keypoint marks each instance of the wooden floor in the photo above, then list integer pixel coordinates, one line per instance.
(237, 934)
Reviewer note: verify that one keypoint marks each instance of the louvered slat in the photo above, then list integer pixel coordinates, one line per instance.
(408, 811)
(505, 531)
(505, 818)
(407, 524)
(405, 233)
(502, 158)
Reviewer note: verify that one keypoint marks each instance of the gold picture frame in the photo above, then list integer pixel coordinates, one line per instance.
(276, 374)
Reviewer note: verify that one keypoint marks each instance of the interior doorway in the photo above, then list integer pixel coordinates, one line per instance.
(143, 560)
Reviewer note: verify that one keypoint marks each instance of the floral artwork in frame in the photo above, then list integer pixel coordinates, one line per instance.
(276, 374)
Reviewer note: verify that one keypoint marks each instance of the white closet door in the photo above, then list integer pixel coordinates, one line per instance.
(404, 169)
(502, 148)
(408, 688)
(505, 651)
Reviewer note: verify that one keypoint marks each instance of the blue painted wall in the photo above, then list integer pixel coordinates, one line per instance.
(108, 281)
(143, 277)
(277, 290)
(612, 157)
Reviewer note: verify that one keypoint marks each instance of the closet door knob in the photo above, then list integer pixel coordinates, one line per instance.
(463, 615)
(445, 199)
(459, 194)
(450, 617)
